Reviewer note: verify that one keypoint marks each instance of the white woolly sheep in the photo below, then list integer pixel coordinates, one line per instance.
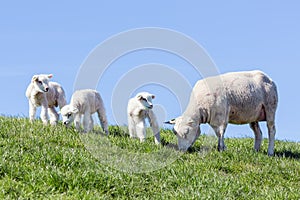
(237, 98)
(85, 102)
(139, 108)
(48, 95)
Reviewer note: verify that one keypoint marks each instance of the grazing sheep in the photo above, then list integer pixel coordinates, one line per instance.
(236, 98)
(85, 102)
(48, 95)
(139, 108)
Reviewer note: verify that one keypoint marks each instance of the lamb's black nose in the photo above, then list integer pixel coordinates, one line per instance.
(65, 123)
(46, 89)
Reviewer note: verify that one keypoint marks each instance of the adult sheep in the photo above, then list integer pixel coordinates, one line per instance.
(238, 98)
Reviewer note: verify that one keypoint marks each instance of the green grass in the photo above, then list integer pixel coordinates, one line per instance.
(44, 162)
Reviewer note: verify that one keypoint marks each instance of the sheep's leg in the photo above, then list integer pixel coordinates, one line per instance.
(103, 121)
(77, 121)
(91, 124)
(131, 127)
(154, 126)
(32, 111)
(44, 113)
(272, 132)
(220, 130)
(141, 130)
(53, 116)
(258, 135)
(197, 135)
(86, 121)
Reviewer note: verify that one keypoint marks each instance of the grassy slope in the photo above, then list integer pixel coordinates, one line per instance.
(52, 162)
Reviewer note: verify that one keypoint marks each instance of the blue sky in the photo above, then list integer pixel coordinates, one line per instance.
(56, 37)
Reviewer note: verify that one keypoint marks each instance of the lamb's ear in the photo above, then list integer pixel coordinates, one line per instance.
(153, 96)
(172, 121)
(139, 97)
(75, 110)
(50, 75)
(34, 78)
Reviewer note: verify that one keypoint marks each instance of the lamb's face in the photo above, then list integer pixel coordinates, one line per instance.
(67, 112)
(145, 100)
(41, 82)
(187, 131)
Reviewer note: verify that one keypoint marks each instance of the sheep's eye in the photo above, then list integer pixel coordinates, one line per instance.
(39, 82)
(69, 115)
(144, 99)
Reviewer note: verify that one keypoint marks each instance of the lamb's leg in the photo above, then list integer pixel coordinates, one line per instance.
(44, 113)
(141, 129)
(154, 126)
(258, 135)
(53, 116)
(103, 120)
(32, 111)
(131, 127)
(86, 121)
(77, 121)
(61, 100)
(91, 124)
(220, 130)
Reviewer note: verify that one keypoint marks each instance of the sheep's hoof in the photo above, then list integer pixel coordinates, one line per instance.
(271, 153)
(221, 148)
(54, 123)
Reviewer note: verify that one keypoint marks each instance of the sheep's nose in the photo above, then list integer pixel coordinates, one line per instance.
(150, 106)
(46, 89)
(65, 123)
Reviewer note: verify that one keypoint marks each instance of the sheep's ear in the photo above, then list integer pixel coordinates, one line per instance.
(153, 96)
(50, 75)
(172, 121)
(139, 97)
(34, 78)
(75, 110)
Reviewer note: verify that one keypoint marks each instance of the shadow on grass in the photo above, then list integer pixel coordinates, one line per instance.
(197, 149)
(192, 149)
(288, 154)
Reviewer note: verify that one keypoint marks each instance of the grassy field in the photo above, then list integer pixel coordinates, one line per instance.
(44, 162)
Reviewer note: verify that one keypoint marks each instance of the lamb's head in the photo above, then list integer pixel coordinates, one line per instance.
(67, 112)
(186, 130)
(145, 99)
(41, 82)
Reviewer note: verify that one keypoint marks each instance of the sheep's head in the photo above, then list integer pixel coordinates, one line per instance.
(145, 99)
(41, 82)
(186, 130)
(68, 112)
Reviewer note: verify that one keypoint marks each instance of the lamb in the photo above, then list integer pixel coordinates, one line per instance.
(85, 102)
(237, 98)
(139, 108)
(48, 95)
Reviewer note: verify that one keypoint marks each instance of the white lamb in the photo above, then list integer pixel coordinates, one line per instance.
(85, 102)
(139, 108)
(236, 98)
(48, 95)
